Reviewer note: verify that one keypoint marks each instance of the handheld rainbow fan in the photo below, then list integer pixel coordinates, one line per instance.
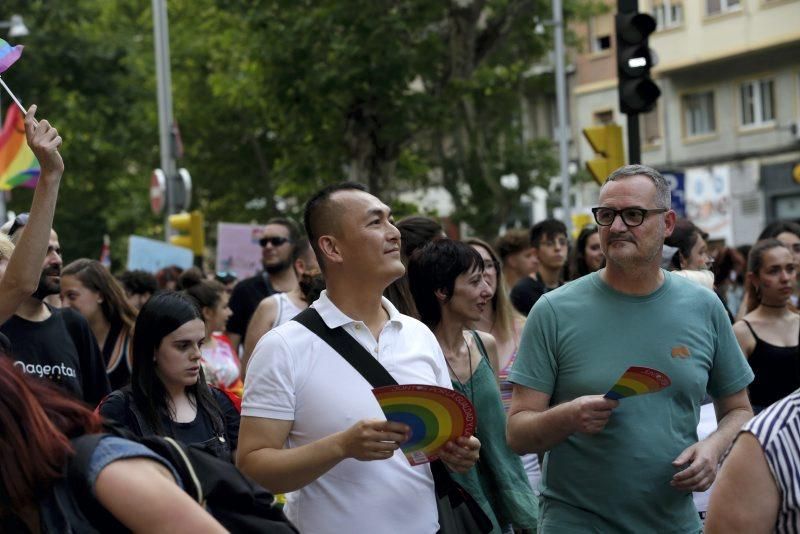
(638, 381)
(436, 415)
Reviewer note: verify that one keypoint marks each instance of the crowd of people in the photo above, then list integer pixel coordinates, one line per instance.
(533, 328)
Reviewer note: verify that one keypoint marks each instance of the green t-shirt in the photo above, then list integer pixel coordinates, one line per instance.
(577, 341)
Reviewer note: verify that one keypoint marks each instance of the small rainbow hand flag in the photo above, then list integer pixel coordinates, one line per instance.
(18, 165)
(8, 55)
(638, 381)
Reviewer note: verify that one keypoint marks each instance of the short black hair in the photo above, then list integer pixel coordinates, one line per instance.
(319, 215)
(435, 266)
(775, 228)
(548, 228)
(416, 231)
(138, 282)
(289, 224)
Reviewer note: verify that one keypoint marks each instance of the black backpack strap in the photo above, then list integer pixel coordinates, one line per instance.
(350, 349)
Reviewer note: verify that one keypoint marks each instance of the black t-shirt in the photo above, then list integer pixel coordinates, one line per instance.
(525, 293)
(245, 298)
(61, 348)
(200, 431)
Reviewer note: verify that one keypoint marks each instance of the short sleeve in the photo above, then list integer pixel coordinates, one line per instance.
(111, 449)
(269, 387)
(730, 372)
(230, 417)
(536, 365)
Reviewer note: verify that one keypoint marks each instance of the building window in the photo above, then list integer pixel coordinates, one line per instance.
(601, 118)
(698, 112)
(668, 14)
(758, 102)
(650, 127)
(600, 31)
(715, 7)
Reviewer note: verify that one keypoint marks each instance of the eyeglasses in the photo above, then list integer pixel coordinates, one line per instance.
(630, 216)
(274, 241)
(19, 222)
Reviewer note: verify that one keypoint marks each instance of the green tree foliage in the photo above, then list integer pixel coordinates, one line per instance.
(277, 97)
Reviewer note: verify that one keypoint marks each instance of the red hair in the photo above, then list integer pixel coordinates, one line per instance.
(37, 421)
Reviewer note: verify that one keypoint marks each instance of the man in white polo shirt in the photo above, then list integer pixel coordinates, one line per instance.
(310, 423)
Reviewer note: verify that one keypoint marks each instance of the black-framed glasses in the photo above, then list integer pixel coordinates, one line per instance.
(630, 216)
(274, 241)
(19, 222)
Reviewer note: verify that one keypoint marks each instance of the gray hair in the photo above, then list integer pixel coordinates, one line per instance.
(663, 197)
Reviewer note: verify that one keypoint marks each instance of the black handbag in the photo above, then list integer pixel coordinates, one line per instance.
(459, 513)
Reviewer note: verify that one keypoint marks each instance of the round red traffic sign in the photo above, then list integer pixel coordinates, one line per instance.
(158, 189)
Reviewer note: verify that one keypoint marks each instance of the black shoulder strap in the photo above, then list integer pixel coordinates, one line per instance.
(350, 349)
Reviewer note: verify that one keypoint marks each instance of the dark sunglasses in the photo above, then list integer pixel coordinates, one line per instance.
(19, 222)
(274, 241)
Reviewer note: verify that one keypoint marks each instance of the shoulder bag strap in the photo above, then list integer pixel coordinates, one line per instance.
(350, 349)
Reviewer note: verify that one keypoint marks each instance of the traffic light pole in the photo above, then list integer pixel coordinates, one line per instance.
(634, 143)
(561, 103)
(165, 119)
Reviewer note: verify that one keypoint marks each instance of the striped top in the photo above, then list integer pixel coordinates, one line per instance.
(506, 387)
(778, 431)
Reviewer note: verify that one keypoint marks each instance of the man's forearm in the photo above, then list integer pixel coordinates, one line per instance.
(728, 428)
(538, 432)
(283, 470)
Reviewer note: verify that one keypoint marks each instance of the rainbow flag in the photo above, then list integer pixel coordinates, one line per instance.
(18, 165)
(8, 55)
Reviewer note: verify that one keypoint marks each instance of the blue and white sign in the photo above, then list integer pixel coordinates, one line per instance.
(708, 200)
(151, 255)
(677, 187)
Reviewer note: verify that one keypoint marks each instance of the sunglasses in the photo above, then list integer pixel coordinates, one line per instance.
(19, 222)
(274, 241)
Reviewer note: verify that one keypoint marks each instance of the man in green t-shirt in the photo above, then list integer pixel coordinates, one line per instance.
(627, 465)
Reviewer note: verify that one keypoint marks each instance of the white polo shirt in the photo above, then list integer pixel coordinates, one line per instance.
(295, 376)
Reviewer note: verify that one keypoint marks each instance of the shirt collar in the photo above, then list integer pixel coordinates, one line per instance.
(334, 317)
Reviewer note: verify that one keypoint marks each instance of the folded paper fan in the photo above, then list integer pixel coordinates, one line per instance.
(638, 381)
(435, 415)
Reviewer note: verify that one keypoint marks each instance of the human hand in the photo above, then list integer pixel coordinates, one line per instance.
(44, 141)
(462, 454)
(373, 439)
(702, 459)
(590, 413)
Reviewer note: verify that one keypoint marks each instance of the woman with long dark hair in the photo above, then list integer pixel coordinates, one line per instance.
(769, 333)
(448, 285)
(134, 488)
(88, 287)
(168, 395)
(586, 257)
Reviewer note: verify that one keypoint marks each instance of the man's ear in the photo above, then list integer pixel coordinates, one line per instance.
(330, 249)
(669, 222)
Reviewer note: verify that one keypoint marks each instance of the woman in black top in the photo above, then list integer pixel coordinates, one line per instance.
(770, 332)
(168, 395)
(88, 287)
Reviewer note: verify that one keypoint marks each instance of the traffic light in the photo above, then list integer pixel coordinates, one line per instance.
(191, 233)
(637, 92)
(606, 141)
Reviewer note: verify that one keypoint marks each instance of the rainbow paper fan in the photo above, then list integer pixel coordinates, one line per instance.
(638, 381)
(436, 415)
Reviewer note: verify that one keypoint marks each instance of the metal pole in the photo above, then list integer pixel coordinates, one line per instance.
(164, 93)
(561, 103)
(634, 144)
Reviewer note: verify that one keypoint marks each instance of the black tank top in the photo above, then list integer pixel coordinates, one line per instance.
(776, 370)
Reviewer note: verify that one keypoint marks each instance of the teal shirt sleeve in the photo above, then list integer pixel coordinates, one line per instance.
(730, 372)
(536, 365)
